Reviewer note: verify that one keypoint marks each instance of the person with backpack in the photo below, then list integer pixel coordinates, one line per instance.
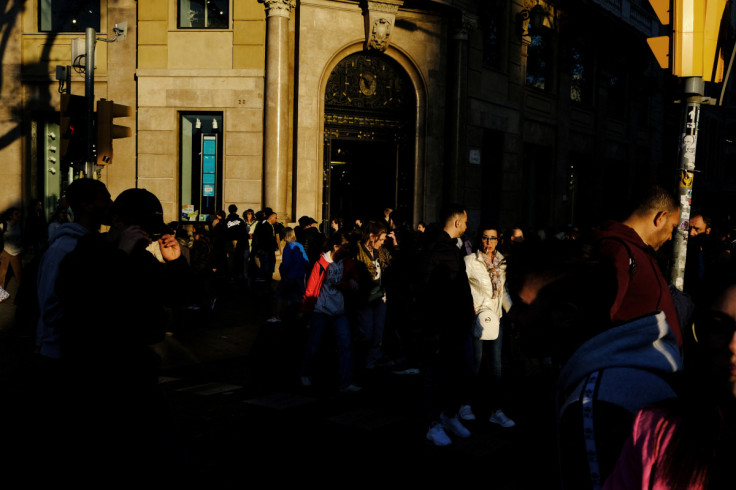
(630, 247)
(332, 277)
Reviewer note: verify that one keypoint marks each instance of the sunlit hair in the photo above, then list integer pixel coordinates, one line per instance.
(289, 235)
(654, 198)
(450, 213)
(373, 229)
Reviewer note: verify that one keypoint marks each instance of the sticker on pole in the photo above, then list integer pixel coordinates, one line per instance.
(686, 179)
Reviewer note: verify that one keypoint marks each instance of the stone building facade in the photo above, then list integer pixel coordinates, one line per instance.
(520, 109)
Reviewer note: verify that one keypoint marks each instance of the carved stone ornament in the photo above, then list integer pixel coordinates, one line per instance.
(463, 27)
(368, 82)
(281, 8)
(379, 17)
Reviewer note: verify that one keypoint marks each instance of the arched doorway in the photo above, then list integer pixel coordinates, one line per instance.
(369, 139)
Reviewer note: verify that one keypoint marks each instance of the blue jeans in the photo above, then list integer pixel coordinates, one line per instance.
(341, 325)
(493, 362)
(371, 321)
(493, 349)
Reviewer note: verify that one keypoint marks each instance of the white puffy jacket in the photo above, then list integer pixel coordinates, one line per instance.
(482, 288)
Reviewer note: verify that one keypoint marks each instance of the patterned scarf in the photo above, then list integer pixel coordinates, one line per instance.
(494, 271)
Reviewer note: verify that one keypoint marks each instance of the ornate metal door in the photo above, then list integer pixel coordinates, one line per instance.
(370, 111)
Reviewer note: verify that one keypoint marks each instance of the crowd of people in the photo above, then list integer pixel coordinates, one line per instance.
(646, 373)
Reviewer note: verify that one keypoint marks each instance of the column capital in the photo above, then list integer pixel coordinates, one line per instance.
(463, 26)
(379, 17)
(280, 8)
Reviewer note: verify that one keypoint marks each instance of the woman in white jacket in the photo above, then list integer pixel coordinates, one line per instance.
(486, 269)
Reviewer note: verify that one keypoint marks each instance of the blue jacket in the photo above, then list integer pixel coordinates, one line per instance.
(47, 335)
(294, 261)
(603, 385)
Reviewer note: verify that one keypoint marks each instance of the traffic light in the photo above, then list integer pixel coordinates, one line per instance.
(107, 111)
(692, 48)
(73, 127)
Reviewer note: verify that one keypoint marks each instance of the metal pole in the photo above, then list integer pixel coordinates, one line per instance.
(89, 93)
(694, 89)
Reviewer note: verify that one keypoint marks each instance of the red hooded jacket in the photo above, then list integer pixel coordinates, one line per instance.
(641, 286)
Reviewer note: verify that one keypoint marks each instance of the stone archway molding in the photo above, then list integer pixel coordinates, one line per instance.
(420, 91)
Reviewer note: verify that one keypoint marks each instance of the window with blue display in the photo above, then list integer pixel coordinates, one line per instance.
(201, 165)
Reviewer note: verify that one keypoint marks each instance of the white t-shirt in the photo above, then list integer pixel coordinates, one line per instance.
(12, 239)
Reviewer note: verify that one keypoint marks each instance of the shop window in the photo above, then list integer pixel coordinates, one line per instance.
(201, 165)
(580, 76)
(68, 15)
(539, 61)
(612, 80)
(492, 29)
(204, 14)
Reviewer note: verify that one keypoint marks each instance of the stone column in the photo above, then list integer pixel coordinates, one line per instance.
(276, 127)
(457, 100)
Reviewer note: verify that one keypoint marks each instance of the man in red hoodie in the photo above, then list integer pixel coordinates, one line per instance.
(630, 245)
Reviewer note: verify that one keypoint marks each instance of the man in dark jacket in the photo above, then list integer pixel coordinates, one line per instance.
(116, 287)
(625, 364)
(310, 237)
(265, 245)
(448, 315)
(235, 239)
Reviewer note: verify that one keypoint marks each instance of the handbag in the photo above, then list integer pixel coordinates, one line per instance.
(485, 326)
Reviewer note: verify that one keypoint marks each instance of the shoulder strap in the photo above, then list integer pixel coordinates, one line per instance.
(632, 260)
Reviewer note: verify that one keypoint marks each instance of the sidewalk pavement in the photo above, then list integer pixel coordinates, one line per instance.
(231, 379)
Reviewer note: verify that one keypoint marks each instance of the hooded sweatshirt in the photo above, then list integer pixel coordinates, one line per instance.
(47, 335)
(641, 287)
(603, 385)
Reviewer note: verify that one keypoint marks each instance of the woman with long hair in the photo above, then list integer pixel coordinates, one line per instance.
(249, 218)
(332, 278)
(372, 260)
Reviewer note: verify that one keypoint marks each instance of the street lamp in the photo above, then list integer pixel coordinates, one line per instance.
(532, 19)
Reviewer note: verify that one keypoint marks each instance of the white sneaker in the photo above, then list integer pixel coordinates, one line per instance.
(350, 389)
(466, 413)
(453, 425)
(500, 418)
(273, 319)
(437, 436)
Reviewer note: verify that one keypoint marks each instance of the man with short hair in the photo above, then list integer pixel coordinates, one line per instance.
(90, 203)
(700, 225)
(448, 315)
(310, 237)
(624, 344)
(235, 239)
(705, 254)
(265, 245)
(630, 246)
